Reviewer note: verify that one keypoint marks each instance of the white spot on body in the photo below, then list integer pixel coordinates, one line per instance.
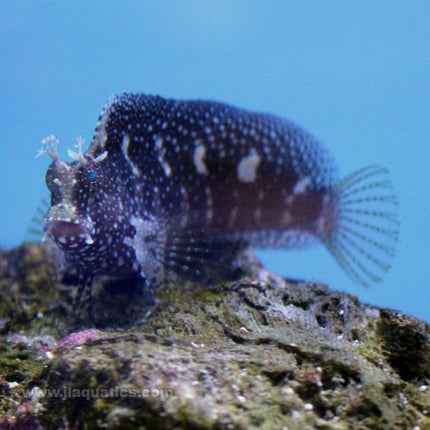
(257, 215)
(198, 158)
(326, 222)
(124, 148)
(128, 241)
(247, 167)
(209, 205)
(164, 164)
(299, 188)
(101, 157)
(301, 185)
(159, 143)
(233, 216)
(148, 246)
(286, 218)
(186, 207)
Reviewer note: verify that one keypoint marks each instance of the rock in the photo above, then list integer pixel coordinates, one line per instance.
(262, 352)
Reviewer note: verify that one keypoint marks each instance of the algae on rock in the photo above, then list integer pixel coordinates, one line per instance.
(258, 353)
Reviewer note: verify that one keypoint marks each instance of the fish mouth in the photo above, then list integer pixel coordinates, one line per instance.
(67, 232)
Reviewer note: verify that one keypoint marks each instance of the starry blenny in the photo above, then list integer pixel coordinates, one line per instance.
(173, 188)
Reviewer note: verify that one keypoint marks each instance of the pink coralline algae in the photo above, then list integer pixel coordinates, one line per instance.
(78, 338)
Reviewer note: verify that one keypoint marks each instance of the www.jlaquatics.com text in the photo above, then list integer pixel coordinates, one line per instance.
(94, 393)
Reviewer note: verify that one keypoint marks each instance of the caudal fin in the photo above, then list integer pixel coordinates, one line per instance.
(364, 242)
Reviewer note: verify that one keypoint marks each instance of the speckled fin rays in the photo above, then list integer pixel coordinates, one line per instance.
(364, 242)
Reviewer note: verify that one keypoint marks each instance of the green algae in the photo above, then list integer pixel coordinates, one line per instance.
(258, 353)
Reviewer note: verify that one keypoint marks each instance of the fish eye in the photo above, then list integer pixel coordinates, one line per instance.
(92, 176)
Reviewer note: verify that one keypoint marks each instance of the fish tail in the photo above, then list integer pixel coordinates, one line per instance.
(366, 233)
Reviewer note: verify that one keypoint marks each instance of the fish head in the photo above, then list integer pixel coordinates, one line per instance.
(84, 202)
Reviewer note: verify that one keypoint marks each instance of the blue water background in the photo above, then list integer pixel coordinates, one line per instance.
(355, 74)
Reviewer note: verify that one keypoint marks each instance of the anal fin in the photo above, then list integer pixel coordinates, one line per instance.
(195, 256)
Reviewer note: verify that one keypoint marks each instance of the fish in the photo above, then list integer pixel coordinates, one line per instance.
(177, 189)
